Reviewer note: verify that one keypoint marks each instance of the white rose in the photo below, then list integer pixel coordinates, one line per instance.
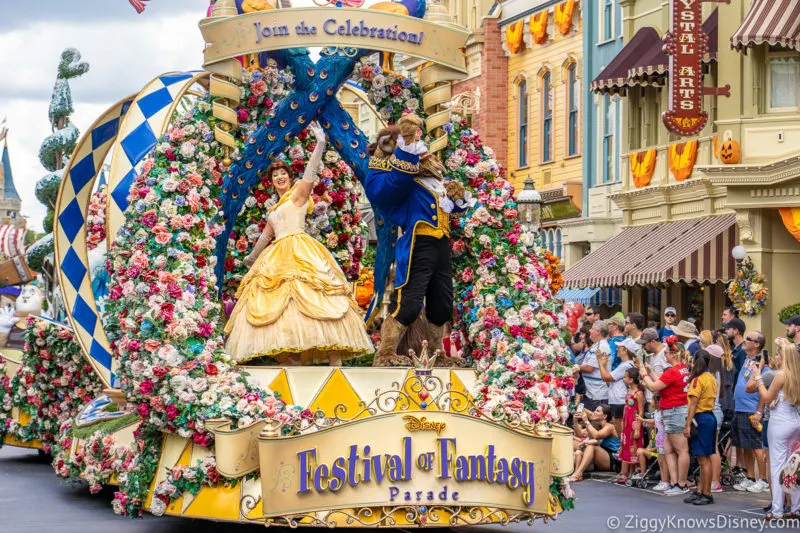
(199, 384)
(158, 507)
(178, 382)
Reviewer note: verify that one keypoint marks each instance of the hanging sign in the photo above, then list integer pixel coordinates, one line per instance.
(686, 44)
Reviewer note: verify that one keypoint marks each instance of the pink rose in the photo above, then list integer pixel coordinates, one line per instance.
(259, 87)
(243, 115)
(367, 73)
(149, 219)
(146, 387)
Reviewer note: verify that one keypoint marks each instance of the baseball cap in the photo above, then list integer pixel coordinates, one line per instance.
(792, 321)
(649, 334)
(629, 344)
(735, 323)
(715, 351)
(671, 310)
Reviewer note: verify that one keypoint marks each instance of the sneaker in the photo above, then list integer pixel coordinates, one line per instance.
(692, 497)
(676, 490)
(744, 484)
(758, 486)
(636, 477)
(716, 487)
(661, 487)
(704, 499)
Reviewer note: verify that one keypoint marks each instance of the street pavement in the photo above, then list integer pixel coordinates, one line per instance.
(33, 500)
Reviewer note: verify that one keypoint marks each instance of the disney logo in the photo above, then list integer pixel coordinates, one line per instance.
(422, 424)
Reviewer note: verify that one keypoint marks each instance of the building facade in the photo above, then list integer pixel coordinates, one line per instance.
(601, 220)
(687, 201)
(544, 43)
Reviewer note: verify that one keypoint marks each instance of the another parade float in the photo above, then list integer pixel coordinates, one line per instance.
(168, 416)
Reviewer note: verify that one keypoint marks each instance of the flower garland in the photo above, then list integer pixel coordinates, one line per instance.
(504, 294)
(96, 220)
(552, 263)
(748, 291)
(392, 95)
(51, 385)
(188, 479)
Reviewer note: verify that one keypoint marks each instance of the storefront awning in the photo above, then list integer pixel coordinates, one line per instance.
(694, 250)
(643, 56)
(776, 22)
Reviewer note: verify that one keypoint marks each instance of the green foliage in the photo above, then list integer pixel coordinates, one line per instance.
(47, 188)
(38, 251)
(789, 311)
(47, 223)
(368, 260)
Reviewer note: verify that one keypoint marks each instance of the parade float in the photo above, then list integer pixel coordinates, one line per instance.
(137, 390)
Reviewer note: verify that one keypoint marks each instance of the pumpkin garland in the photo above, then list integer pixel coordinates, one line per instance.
(643, 164)
(682, 157)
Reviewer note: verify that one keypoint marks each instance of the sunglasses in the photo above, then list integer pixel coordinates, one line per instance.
(588, 314)
(751, 340)
(670, 315)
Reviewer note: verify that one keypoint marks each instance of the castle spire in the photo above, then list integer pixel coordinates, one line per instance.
(10, 192)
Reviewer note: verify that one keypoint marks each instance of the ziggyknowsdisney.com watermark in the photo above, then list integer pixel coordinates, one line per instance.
(645, 524)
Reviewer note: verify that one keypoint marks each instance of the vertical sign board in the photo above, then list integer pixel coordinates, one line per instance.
(686, 44)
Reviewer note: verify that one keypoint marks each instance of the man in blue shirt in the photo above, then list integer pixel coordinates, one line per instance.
(670, 317)
(616, 333)
(747, 438)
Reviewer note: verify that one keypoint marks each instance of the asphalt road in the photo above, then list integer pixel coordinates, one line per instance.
(32, 500)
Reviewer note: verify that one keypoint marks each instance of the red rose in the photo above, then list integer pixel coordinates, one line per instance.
(146, 387)
(211, 369)
(243, 115)
(172, 412)
(261, 196)
(252, 101)
(143, 409)
(170, 155)
(267, 103)
(149, 219)
(396, 89)
(160, 371)
(229, 264)
(298, 166)
(201, 261)
(303, 135)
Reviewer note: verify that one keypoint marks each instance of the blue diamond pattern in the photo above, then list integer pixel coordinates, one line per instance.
(84, 315)
(101, 355)
(74, 269)
(155, 102)
(104, 133)
(82, 173)
(138, 142)
(170, 79)
(71, 220)
(120, 193)
(125, 107)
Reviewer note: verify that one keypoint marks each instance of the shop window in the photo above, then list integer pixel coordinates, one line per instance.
(573, 97)
(522, 119)
(608, 121)
(547, 118)
(606, 18)
(783, 81)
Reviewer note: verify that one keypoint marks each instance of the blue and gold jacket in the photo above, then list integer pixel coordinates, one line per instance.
(392, 185)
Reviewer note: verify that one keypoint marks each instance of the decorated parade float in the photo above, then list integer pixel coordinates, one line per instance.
(140, 387)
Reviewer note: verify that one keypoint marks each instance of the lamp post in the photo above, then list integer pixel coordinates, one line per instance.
(529, 203)
(739, 253)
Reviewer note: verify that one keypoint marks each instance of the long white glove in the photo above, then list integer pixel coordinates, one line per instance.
(312, 169)
(416, 148)
(8, 318)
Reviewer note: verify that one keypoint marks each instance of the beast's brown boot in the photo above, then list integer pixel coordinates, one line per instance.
(391, 332)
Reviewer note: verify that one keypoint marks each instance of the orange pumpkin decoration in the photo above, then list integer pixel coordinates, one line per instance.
(538, 24)
(514, 36)
(562, 16)
(365, 287)
(730, 152)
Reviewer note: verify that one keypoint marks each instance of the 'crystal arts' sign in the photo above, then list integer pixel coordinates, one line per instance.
(686, 43)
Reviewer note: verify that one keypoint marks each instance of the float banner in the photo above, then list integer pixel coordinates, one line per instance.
(343, 27)
(410, 458)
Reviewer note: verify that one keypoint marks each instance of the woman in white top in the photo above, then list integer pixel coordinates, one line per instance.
(784, 422)
(617, 389)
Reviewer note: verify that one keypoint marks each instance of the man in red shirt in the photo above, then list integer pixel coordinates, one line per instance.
(672, 387)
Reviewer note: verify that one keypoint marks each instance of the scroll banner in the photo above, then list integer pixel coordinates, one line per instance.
(278, 29)
(407, 458)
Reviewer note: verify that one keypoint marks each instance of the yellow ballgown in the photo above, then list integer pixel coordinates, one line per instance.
(295, 304)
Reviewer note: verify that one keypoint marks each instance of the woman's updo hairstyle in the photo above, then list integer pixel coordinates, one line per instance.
(277, 165)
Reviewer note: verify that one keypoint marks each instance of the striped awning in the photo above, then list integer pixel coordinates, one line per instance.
(694, 250)
(581, 296)
(776, 22)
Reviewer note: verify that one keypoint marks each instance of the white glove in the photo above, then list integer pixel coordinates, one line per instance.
(8, 318)
(416, 148)
(318, 132)
(312, 169)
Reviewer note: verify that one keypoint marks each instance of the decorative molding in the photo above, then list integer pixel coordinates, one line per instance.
(747, 175)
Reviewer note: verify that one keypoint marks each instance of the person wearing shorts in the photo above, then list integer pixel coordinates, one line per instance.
(672, 386)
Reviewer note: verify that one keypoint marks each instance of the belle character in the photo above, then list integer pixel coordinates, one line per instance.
(295, 304)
